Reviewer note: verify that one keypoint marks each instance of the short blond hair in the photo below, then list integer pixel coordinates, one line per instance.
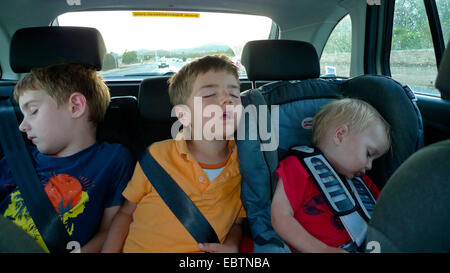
(354, 113)
(181, 84)
(60, 81)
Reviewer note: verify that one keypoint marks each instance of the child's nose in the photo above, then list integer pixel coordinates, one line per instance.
(24, 126)
(226, 98)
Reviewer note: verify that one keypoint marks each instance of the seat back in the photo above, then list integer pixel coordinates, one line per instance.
(122, 124)
(301, 93)
(44, 46)
(155, 109)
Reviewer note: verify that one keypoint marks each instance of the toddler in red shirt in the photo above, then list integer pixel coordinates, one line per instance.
(351, 134)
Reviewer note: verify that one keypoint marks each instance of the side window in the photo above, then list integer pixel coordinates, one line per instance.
(336, 55)
(412, 54)
(443, 7)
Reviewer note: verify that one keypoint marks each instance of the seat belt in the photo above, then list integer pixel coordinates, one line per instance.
(44, 215)
(347, 204)
(177, 201)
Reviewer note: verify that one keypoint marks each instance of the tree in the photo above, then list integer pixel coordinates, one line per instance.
(129, 57)
(109, 62)
(411, 29)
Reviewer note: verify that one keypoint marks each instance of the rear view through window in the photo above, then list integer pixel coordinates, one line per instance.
(154, 43)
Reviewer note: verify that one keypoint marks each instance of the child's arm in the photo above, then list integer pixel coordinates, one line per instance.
(96, 243)
(119, 228)
(289, 229)
(231, 243)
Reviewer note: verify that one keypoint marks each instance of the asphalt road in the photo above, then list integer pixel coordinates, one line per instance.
(141, 69)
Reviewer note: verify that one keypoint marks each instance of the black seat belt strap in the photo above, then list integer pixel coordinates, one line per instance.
(178, 201)
(41, 210)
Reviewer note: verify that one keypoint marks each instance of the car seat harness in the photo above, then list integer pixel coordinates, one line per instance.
(349, 199)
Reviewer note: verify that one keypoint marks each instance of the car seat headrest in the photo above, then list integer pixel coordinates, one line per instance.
(443, 79)
(44, 46)
(154, 102)
(280, 60)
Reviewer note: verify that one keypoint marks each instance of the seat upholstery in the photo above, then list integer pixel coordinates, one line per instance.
(443, 79)
(155, 109)
(300, 97)
(122, 124)
(412, 212)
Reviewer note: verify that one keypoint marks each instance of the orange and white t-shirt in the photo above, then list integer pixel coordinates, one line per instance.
(154, 227)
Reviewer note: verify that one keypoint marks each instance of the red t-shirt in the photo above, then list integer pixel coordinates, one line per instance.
(310, 209)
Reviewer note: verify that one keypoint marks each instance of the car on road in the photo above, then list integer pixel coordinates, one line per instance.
(163, 65)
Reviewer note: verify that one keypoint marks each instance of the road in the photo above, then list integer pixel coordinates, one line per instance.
(146, 68)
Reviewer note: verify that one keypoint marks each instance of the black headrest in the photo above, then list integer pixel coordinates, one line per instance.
(280, 60)
(443, 77)
(154, 102)
(44, 46)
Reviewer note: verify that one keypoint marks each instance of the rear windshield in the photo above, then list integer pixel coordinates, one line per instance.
(155, 43)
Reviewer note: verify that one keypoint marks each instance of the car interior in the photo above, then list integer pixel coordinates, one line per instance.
(283, 70)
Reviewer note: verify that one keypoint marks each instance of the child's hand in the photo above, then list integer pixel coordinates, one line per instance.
(218, 248)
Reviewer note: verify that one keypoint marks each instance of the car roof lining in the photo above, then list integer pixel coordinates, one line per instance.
(314, 25)
(284, 12)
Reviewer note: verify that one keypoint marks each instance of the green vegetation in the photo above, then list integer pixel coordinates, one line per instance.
(109, 62)
(410, 31)
(129, 57)
(185, 53)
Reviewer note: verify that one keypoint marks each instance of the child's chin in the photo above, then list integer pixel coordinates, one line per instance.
(350, 176)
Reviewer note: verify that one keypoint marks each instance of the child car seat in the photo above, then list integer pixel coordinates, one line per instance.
(298, 92)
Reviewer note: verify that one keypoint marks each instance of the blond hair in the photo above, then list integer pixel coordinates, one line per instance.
(60, 81)
(354, 113)
(181, 84)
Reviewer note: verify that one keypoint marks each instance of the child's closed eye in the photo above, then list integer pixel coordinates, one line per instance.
(33, 111)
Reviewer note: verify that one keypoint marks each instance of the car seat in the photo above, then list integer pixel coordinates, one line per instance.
(39, 47)
(44, 46)
(155, 109)
(298, 92)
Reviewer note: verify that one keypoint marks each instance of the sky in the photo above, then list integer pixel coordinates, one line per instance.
(122, 31)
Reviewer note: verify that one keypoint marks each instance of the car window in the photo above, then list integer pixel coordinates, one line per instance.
(412, 60)
(145, 43)
(336, 55)
(443, 7)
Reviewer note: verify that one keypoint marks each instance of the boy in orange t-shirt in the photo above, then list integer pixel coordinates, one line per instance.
(202, 160)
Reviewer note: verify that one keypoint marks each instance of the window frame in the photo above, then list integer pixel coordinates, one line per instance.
(351, 44)
(434, 23)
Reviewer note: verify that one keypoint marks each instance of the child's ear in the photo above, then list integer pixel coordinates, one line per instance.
(183, 114)
(78, 104)
(340, 133)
